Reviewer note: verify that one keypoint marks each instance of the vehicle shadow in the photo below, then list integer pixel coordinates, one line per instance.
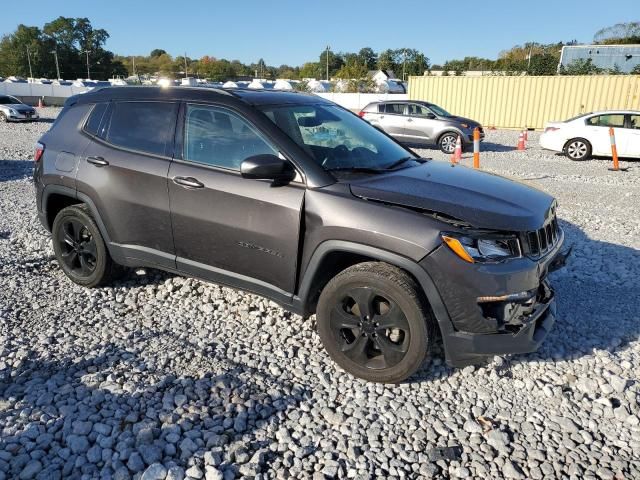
(123, 401)
(15, 169)
(495, 147)
(595, 295)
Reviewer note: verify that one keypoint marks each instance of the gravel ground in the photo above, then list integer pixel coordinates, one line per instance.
(167, 377)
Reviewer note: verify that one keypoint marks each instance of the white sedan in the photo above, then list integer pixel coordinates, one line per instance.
(588, 134)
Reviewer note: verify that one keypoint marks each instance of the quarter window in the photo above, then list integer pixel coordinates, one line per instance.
(634, 122)
(218, 137)
(143, 126)
(95, 118)
(615, 120)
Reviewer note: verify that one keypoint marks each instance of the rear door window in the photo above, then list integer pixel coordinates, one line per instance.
(614, 120)
(394, 108)
(143, 126)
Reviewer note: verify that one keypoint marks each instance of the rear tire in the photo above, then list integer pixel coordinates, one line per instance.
(578, 149)
(374, 323)
(3, 117)
(80, 248)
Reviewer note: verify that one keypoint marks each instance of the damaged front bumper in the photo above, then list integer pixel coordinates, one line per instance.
(496, 309)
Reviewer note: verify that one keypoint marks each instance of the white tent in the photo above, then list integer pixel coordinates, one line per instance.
(282, 85)
(229, 84)
(316, 86)
(342, 85)
(255, 85)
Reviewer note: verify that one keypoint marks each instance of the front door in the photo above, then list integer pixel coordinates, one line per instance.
(227, 228)
(421, 124)
(631, 134)
(598, 133)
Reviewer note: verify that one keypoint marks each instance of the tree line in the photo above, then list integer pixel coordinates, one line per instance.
(75, 42)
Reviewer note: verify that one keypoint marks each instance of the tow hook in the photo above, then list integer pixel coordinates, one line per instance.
(560, 260)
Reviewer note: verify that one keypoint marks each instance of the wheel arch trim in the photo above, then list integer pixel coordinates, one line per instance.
(424, 279)
(82, 198)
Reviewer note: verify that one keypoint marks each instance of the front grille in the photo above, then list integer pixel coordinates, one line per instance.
(540, 241)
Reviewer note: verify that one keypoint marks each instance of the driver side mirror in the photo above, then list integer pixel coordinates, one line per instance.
(267, 167)
(430, 116)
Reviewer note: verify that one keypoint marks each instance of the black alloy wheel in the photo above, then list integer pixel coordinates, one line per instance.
(371, 329)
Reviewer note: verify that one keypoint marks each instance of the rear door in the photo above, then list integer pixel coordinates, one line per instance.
(419, 127)
(597, 132)
(124, 171)
(227, 228)
(392, 119)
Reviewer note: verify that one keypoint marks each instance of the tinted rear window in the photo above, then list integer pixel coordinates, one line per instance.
(395, 108)
(93, 122)
(143, 126)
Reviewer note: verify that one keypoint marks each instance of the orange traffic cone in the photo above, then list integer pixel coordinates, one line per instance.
(526, 135)
(521, 145)
(457, 153)
(40, 103)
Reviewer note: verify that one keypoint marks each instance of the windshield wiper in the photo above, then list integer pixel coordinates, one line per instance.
(357, 169)
(397, 163)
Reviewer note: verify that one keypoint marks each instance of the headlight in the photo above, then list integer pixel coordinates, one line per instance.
(13, 112)
(483, 248)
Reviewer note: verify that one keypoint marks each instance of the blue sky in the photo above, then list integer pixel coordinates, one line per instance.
(292, 32)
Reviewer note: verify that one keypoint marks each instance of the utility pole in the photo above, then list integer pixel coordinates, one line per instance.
(529, 63)
(328, 62)
(133, 61)
(29, 59)
(88, 73)
(186, 73)
(404, 62)
(55, 54)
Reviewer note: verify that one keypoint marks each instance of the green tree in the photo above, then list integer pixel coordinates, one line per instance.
(368, 58)
(311, 70)
(335, 63)
(157, 52)
(620, 33)
(543, 64)
(387, 60)
(580, 66)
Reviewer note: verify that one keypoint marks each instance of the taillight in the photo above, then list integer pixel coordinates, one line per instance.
(361, 113)
(551, 129)
(37, 155)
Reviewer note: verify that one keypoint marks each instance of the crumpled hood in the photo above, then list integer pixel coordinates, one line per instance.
(481, 199)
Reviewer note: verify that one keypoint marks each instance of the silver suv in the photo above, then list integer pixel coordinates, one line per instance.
(422, 123)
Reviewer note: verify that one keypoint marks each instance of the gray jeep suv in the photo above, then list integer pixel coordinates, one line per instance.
(294, 198)
(416, 122)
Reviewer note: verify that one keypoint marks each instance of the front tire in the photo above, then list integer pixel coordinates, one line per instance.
(374, 323)
(80, 248)
(447, 142)
(578, 149)
(4, 118)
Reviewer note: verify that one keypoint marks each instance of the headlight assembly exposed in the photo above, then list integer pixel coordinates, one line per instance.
(483, 248)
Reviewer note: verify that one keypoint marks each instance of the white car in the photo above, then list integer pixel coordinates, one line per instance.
(588, 134)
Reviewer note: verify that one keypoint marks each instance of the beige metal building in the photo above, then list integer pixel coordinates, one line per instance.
(519, 102)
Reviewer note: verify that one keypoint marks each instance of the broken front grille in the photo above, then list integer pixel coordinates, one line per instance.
(540, 241)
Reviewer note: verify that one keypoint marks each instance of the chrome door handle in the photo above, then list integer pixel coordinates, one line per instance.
(188, 182)
(97, 161)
